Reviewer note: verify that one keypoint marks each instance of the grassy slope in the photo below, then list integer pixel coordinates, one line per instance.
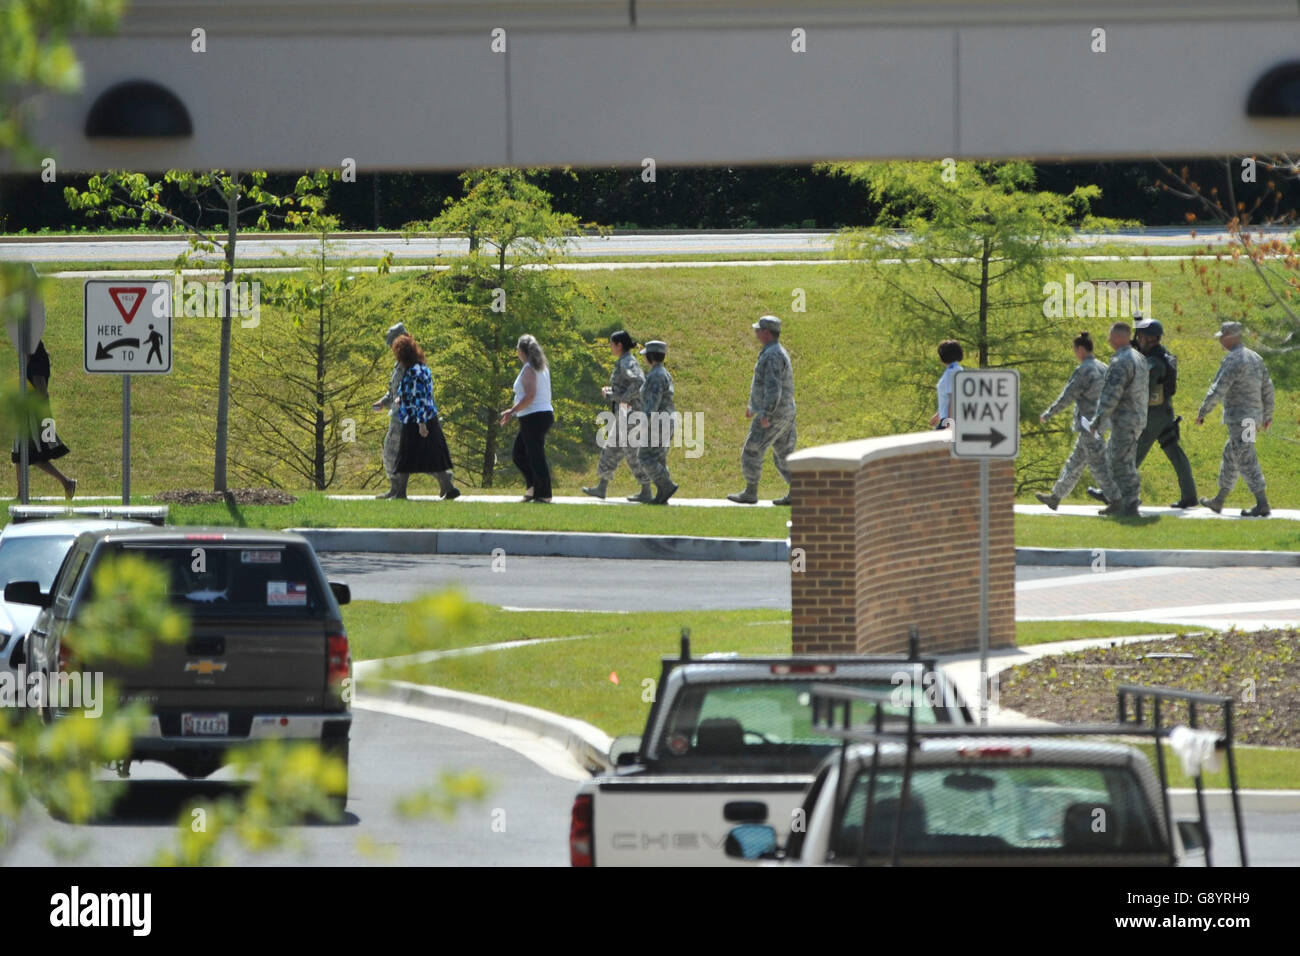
(704, 314)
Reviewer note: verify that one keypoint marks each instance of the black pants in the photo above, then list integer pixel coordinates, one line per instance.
(529, 452)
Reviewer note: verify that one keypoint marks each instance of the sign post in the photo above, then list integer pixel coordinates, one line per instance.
(128, 331)
(986, 425)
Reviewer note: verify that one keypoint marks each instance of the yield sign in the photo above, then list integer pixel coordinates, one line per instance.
(127, 299)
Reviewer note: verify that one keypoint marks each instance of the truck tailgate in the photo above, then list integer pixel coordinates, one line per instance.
(664, 820)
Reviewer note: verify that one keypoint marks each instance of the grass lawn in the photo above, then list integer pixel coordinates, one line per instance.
(316, 511)
(574, 677)
(1160, 533)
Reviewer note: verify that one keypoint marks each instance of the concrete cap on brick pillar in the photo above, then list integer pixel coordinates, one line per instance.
(852, 455)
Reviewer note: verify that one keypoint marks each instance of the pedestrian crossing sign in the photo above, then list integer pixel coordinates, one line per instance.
(128, 327)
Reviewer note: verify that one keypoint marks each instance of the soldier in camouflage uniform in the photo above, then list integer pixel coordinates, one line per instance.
(1083, 389)
(1244, 387)
(770, 411)
(1122, 405)
(1162, 423)
(657, 405)
(624, 396)
(393, 437)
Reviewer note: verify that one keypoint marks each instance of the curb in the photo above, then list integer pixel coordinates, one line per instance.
(579, 544)
(1135, 558)
(546, 544)
(588, 745)
(1252, 801)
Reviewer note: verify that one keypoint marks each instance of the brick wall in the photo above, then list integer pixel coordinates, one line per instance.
(888, 536)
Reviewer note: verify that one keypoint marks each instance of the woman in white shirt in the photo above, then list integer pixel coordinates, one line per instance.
(533, 409)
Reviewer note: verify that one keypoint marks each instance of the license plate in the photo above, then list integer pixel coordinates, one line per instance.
(205, 725)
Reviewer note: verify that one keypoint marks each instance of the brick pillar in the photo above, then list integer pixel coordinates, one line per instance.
(887, 530)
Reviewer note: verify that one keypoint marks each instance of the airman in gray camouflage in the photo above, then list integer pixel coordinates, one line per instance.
(624, 396)
(1083, 389)
(657, 404)
(393, 437)
(770, 411)
(1122, 406)
(1246, 390)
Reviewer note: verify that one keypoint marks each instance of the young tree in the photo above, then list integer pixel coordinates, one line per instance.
(303, 376)
(1254, 200)
(503, 288)
(961, 251)
(134, 197)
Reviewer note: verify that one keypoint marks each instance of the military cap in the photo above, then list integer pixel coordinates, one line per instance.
(393, 332)
(1150, 327)
(1229, 329)
(769, 322)
(655, 346)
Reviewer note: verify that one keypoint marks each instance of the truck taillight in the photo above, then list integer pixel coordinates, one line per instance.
(339, 665)
(581, 835)
(784, 669)
(977, 753)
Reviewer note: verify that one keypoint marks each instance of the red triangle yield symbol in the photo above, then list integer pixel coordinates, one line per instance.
(133, 295)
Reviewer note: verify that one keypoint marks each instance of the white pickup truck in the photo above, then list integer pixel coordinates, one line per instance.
(730, 740)
(1012, 796)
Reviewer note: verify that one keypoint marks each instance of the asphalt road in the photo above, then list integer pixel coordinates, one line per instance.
(391, 757)
(114, 249)
(579, 584)
(1187, 597)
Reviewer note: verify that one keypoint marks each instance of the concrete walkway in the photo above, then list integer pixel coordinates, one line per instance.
(1230, 512)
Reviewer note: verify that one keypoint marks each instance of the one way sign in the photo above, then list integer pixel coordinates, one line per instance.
(986, 413)
(128, 327)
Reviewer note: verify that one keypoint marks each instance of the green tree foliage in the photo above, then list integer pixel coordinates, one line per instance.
(479, 307)
(126, 197)
(963, 251)
(304, 374)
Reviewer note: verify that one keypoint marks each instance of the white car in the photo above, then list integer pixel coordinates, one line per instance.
(34, 551)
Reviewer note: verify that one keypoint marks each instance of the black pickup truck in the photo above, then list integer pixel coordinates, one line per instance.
(266, 655)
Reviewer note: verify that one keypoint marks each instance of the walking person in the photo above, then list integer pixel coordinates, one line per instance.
(393, 437)
(950, 354)
(1083, 389)
(1246, 390)
(43, 445)
(624, 396)
(423, 448)
(657, 406)
(533, 409)
(1122, 406)
(770, 413)
(1162, 424)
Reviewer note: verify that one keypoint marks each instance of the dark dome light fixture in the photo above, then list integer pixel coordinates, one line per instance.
(1277, 93)
(138, 109)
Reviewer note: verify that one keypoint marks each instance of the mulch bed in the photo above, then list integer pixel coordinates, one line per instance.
(239, 496)
(1260, 671)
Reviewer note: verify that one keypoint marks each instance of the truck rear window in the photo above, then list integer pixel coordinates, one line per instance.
(759, 725)
(237, 580)
(983, 810)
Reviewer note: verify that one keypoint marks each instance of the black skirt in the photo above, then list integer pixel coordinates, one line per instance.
(423, 455)
(38, 450)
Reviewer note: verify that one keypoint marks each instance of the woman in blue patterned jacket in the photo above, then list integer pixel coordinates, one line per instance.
(423, 448)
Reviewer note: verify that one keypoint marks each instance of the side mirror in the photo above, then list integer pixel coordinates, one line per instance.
(1193, 837)
(625, 750)
(27, 592)
(751, 841)
(342, 593)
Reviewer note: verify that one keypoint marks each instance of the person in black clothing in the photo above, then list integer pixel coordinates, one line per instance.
(41, 453)
(1162, 424)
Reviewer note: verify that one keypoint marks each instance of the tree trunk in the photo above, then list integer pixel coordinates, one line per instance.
(984, 306)
(223, 376)
(319, 463)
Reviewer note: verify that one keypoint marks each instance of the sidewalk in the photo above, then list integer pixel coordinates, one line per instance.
(1191, 514)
